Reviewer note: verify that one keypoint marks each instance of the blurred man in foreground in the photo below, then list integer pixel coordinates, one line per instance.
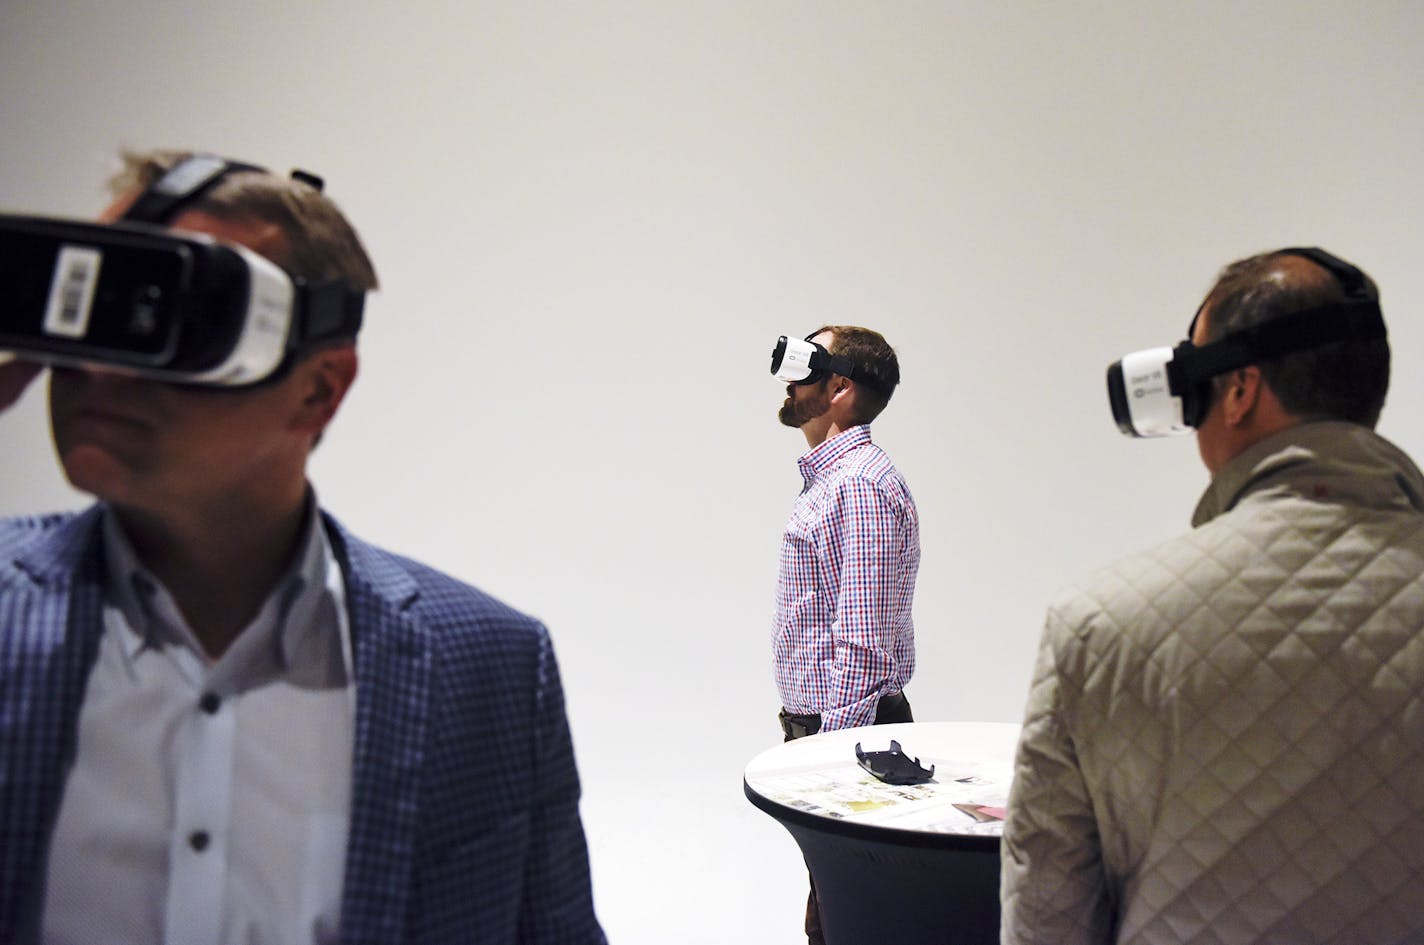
(224, 718)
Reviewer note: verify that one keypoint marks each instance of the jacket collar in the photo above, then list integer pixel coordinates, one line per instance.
(57, 556)
(1327, 460)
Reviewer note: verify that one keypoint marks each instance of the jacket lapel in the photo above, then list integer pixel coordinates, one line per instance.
(51, 611)
(392, 688)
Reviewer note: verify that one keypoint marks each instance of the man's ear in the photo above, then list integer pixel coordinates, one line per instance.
(324, 379)
(1241, 394)
(843, 398)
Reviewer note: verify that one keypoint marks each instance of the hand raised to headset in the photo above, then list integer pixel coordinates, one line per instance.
(15, 376)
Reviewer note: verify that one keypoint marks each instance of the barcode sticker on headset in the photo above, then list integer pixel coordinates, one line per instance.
(71, 293)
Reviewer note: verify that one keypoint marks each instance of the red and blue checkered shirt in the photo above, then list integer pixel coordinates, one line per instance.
(844, 636)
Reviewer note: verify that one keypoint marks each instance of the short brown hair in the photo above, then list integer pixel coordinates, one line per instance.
(1346, 380)
(877, 368)
(320, 243)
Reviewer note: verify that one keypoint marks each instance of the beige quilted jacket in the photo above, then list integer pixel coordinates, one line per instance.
(1224, 740)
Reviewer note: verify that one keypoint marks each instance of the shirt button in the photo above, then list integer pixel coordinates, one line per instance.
(198, 840)
(209, 703)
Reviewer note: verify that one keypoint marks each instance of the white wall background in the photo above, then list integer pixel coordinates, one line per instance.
(593, 219)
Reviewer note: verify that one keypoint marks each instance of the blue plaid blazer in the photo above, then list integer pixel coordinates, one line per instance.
(464, 821)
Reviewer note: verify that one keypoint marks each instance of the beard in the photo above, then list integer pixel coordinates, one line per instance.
(797, 413)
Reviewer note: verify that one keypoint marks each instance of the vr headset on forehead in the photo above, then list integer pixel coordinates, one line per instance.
(798, 361)
(1167, 390)
(178, 307)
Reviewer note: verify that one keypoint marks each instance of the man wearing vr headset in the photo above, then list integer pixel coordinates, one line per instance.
(1224, 740)
(844, 640)
(224, 718)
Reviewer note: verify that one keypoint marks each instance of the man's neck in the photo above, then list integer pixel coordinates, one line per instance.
(219, 563)
(1265, 422)
(820, 430)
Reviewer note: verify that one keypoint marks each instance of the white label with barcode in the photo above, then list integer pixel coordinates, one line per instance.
(71, 294)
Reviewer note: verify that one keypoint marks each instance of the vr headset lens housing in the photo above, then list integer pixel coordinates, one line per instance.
(791, 361)
(177, 307)
(1141, 396)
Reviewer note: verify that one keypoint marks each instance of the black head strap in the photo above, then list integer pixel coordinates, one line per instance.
(181, 185)
(822, 363)
(1356, 318)
(187, 181)
(329, 310)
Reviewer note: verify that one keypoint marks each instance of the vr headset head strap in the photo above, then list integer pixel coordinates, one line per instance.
(1356, 318)
(823, 363)
(181, 185)
(325, 310)
(188, 180)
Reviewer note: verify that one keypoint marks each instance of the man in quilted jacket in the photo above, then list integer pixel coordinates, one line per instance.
(1224, 738)
(225, 718)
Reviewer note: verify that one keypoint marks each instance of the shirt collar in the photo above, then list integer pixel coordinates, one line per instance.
(820, 458)
(294, 632)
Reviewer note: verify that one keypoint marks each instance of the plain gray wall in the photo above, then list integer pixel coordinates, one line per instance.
(592, 220)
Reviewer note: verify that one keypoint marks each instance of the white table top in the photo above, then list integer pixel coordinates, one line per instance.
(819, 775)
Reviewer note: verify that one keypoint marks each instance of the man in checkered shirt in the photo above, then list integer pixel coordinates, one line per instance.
(844, 640)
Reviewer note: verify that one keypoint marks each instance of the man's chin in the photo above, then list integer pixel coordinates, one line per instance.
(95, 470)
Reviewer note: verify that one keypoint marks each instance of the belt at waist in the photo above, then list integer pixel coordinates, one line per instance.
(892, 708)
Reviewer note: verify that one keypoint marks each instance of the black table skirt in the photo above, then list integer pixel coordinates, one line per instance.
(882, 886)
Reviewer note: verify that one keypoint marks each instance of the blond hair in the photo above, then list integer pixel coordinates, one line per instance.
(319, 242)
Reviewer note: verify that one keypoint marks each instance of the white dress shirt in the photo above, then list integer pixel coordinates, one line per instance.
(209, 799)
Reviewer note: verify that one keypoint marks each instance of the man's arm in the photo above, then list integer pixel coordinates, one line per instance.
(1053, 888)
(15, 376)
(558, 898)
(863, 541)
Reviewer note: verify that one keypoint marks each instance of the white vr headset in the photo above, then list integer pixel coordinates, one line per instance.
(1166, 391)
(797, 361)
(177, 307)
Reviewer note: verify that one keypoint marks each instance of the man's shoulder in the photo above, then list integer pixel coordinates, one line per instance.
(1253, 548)
(1158, 581)
(437, 597)
(18, 530)
(867, 466)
